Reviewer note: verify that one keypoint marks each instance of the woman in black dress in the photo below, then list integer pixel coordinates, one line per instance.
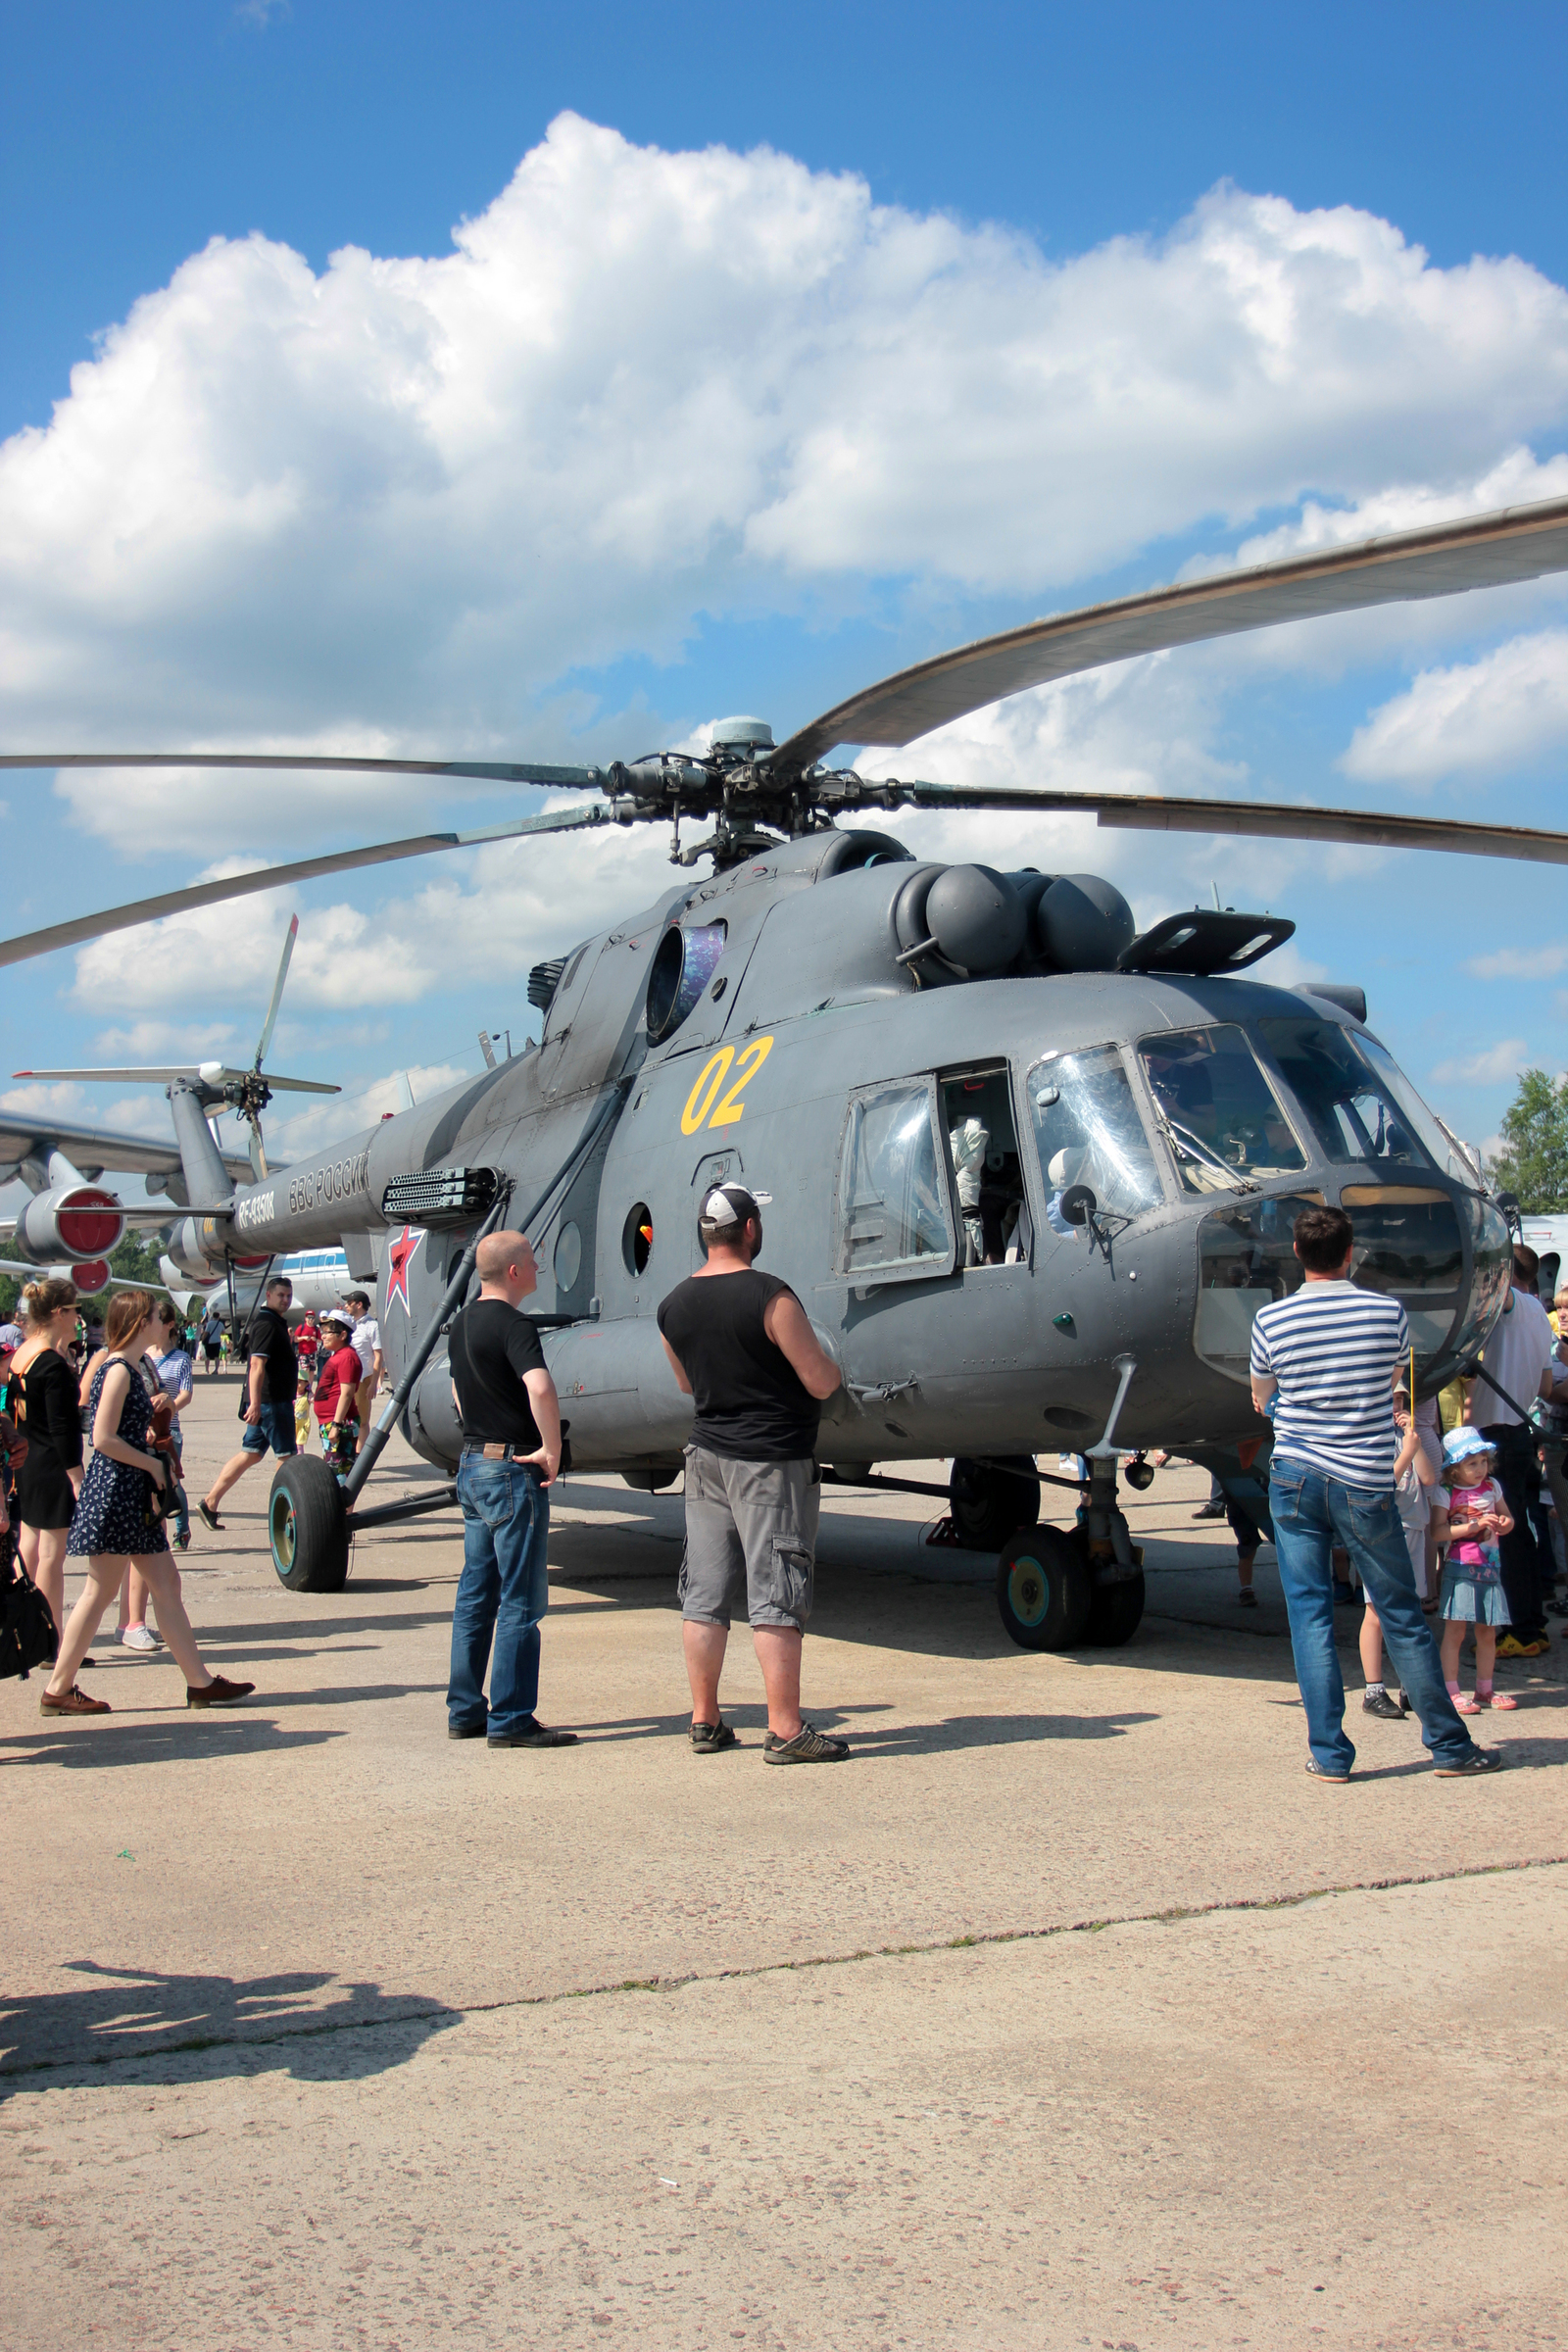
(116, 1526)
(47, 1411)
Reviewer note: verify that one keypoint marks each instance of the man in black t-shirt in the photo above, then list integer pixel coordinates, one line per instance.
(741, 1347)
(510, 1421)
(273, 1376)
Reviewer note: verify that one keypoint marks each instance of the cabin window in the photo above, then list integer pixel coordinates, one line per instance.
(988, 1176)
(892, 1213)
(1222, 1116)
(1088, 1131)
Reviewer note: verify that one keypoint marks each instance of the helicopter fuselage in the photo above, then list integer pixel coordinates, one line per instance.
(984, 1191)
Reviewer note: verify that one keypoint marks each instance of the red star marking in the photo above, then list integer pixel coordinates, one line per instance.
(402, 1257)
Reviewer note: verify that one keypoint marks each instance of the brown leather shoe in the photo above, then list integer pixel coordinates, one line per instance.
(73, 1701)
(220, 1692)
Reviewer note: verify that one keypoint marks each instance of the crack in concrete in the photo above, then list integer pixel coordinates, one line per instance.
(1175, 1915)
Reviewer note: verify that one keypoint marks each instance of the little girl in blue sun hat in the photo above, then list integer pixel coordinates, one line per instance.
(1471, 1593)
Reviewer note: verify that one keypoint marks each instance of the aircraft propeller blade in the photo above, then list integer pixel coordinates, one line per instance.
(1482, 551)
(271, 877)
(270, 1021)
(1276, 820)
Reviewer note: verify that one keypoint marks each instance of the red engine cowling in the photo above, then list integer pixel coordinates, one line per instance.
(81, 1222)
(91, 1276)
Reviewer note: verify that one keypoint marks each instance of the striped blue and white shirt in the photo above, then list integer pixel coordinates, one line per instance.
(1334, 1350)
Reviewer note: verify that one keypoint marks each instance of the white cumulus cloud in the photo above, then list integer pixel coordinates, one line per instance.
(404, 503)
(1478, 718)
(1496, 1062)
(1521, 963)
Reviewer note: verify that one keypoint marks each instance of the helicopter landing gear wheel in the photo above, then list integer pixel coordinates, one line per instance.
(308, 1526)
(990, 1501)
(1115, 1611)
(1043, 1589)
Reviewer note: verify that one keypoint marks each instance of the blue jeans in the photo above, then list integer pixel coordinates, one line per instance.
(501, 1593)
(1311, 1513)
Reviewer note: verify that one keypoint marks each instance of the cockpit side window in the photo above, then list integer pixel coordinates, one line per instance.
(1354, 1116)
(1087, 1131)
(892, 1216)
(1221, 1117)
(977, 1114)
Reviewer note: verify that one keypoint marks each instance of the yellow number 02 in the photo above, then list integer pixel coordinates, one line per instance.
(751, 1061)
(712, 1076)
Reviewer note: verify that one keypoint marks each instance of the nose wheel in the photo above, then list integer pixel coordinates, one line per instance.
(1043, 1589)
(1058, 1588)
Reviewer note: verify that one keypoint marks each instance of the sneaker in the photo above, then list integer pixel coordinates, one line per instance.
(709, 1738)
(1380, 1704)
(1479, 1759)
(182, 1542)
(210, 1518)
(1247, 1599)
(809, 1746)
(137, 1637)
(1211, 1510)
(1526, 1646)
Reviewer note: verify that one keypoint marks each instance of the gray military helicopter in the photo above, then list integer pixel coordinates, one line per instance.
(1031, 1175)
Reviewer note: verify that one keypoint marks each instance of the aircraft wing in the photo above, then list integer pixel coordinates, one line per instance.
(90, 1150)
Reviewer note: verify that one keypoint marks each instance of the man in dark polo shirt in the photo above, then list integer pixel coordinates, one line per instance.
(510, 1453)
(741, 1348)
(273, 1379)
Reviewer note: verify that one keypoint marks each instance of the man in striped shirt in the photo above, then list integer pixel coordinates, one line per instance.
(1333, 1353)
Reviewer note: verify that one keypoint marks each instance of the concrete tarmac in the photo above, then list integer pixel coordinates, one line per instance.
(1071, 2011)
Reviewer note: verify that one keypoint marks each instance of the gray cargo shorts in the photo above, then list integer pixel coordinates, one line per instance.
(749, 1527)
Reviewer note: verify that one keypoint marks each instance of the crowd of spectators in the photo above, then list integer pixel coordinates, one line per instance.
(91, 1451)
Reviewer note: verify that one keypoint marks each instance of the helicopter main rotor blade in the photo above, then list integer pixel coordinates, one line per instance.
(488, 771)
(306, 870)
(1482, 551)
(1272, 820)
(284, 964)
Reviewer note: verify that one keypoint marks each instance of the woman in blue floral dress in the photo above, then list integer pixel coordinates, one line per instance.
(117, 1524)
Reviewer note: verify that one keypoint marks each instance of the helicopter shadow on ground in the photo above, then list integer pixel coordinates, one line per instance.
(170, 2028)
(176, 1739)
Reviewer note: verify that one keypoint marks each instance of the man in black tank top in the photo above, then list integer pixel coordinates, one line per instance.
(741, 1348)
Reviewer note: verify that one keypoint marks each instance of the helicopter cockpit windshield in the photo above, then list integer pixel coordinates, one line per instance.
(1220, 1114)
(1350, 1105)
(1088, 1131)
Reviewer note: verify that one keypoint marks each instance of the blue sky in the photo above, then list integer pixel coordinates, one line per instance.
(967, 319)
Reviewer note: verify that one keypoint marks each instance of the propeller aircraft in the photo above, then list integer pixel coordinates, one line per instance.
(1030, 1174)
